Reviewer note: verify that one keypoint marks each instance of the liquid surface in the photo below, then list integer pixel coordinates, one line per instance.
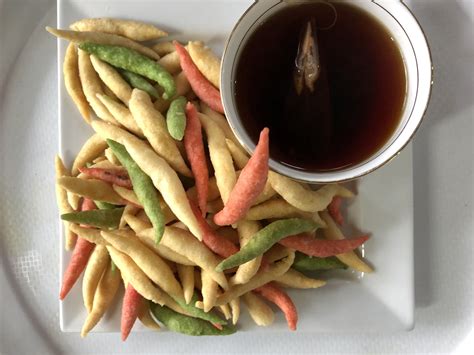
(358, 98)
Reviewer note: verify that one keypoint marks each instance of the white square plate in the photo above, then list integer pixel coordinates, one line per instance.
(382, 301)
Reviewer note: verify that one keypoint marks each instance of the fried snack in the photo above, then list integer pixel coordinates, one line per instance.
(350, 258)
(163, 48)
(263, 277)
(194, 146)
(103, 297)
(221, 121)
(182, 84)
(151, 264)
(128, 210)
(220, 157)
(186, 276)
(121, 114)
(135, 276)
(96, 265)
(265, 239)
(92, 86)
(91, 235)
(133, 61)
(235, 307)
(200, 85)
(92, 148)
(182, 242)
(93, 189)
(163, 176)
(127, 195)
(103, 38)
(170, 63)
(72, 82)
(104, 218)
(176, 118)
(114, 175)
(304, 199)
(112, 79)
(137, 31)
(279, 297)
(138, 226)
(139, 82)
(206, 61)
(209, 291)
(295, 279)
(130, 308)
(279, 208)
(109, 155)
(260, 312)
(153, 125)
(63, 204)
(80, 255)
(247, 229)
(249, 185)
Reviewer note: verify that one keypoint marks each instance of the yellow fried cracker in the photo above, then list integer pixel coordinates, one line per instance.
(96, 265)
(261, 313)
(72, 82)
(206, 61)
(92, 148)
(103, 38)
(153, 126)
(112, 79)
(137, 31)
(247, 229)
(295, 279)
(121, 113)
(96, 190)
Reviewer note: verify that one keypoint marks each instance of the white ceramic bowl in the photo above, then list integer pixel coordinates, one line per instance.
(405, 30)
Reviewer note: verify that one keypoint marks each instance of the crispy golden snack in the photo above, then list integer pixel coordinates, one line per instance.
(133, 274)
(208, 290)
(304, 199)
(121, 113)
(351, 259)
(63, 203)
(279, 208)
(110, 156)
(245, 272)
(103, 38)
(127, 194)
(72, 81)
(220, 157)
(151, 264)
(235, 307)
(92, 148)
(163, 48)
(170, 62)
(163, 176)
(89, 234)
(261, 313)
(295, 279)
(182, 84)
(112, 79)
(94, 189)
(129, 210)
(221, 121)
(95, 268)
(206, 61)
(137, 31)
(166, 253)
(261, 278)
(153, 126)
(103, 297)
(92, 86)
(186, 276)
(182, 242)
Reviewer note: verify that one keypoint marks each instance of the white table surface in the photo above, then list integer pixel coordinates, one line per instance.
(443, 176)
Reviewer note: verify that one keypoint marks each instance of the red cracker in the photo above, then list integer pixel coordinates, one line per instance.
(334, 210)
(200, 85)
(249, 186)
(130, 308)
(194, 146)
(114, 176)
(280, 298)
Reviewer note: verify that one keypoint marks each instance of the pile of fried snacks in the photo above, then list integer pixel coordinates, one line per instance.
(163, 201)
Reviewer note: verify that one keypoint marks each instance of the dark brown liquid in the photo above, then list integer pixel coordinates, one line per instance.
(358, 99)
